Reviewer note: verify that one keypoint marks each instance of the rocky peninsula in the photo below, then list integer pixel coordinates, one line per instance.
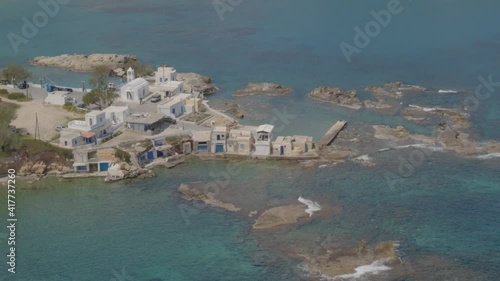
(84, 63)
(267, 89)
(337, 96)
(197, 82)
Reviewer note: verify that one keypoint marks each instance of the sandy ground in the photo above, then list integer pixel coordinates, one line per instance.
(49, 116)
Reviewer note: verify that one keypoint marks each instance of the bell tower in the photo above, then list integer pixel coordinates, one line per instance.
(130, 75)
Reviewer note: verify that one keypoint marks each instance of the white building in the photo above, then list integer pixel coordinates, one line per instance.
(166, 81)
(218, 139)
(95, 121)
(264, 135)
(283, 146)
(173, 107)
(165, 74)
(117, 114)
(135, 90)
(201, 141)
(60, 98)
(240, 141)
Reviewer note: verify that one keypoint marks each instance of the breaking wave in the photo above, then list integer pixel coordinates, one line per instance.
(311, 205)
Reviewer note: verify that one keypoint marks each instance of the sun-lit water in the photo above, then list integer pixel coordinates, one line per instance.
(447, 211)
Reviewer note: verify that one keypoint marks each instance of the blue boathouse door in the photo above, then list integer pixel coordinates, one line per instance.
(219, 148)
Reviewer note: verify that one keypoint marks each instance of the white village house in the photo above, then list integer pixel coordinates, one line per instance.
(218, 139)
(117, 114)
(166, 81)
(173, 107)
(59, 98)
(135, 90)
(263, 140)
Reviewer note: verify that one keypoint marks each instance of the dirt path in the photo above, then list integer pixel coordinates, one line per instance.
(49, 116)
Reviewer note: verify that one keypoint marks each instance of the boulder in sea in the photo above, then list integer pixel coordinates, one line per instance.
(267, 89)
(338, 96)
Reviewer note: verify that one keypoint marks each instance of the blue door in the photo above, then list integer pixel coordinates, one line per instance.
(103, 167)
(282, 150)
(150, 155)
(219, 148)
(203, 147)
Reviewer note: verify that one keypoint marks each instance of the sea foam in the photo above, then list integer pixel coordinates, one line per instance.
(374, 268)
(311, 205)
(488, 156)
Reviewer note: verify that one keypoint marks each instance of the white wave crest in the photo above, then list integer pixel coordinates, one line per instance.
(311, 205)
(374, 268)
(488, 156)
(432, 147)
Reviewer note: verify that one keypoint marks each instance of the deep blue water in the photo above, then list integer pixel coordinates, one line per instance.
(88, 231)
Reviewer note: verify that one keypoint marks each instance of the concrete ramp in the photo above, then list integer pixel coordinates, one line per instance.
(332, 133)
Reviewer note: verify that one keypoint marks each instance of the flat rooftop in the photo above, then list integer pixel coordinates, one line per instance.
(145, 118)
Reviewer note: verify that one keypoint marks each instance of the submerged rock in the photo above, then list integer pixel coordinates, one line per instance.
(280, 216)
(268, 89)
(208, 197)
(336, 96)
(84, 63)
(353, 263)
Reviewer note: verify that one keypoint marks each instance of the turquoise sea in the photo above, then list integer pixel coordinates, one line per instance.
(446, 215)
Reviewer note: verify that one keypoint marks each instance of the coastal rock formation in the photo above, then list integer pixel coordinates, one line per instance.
(268, 89)
(347, 263)
(387, 133)
(394, 89)
(41, 168)
(205, 196)
(280, 216)
(444, 116)
(84, 63)
(336, 96)
(197, 82)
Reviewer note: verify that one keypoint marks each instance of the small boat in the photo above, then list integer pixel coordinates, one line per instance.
(174, 160)
(448, 92)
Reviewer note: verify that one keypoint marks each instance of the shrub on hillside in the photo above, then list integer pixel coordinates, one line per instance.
(3, 92)
(16, 96)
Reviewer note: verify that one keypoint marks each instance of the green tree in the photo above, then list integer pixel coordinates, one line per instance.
(100, 77)
(9, 140)
(140, 69)
(100, 95)
(15, 72)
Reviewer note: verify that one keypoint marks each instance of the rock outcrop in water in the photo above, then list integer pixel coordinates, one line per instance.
(84, 63)
(197, 82)
(268, 89)
(336, 96)
(394, 89)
